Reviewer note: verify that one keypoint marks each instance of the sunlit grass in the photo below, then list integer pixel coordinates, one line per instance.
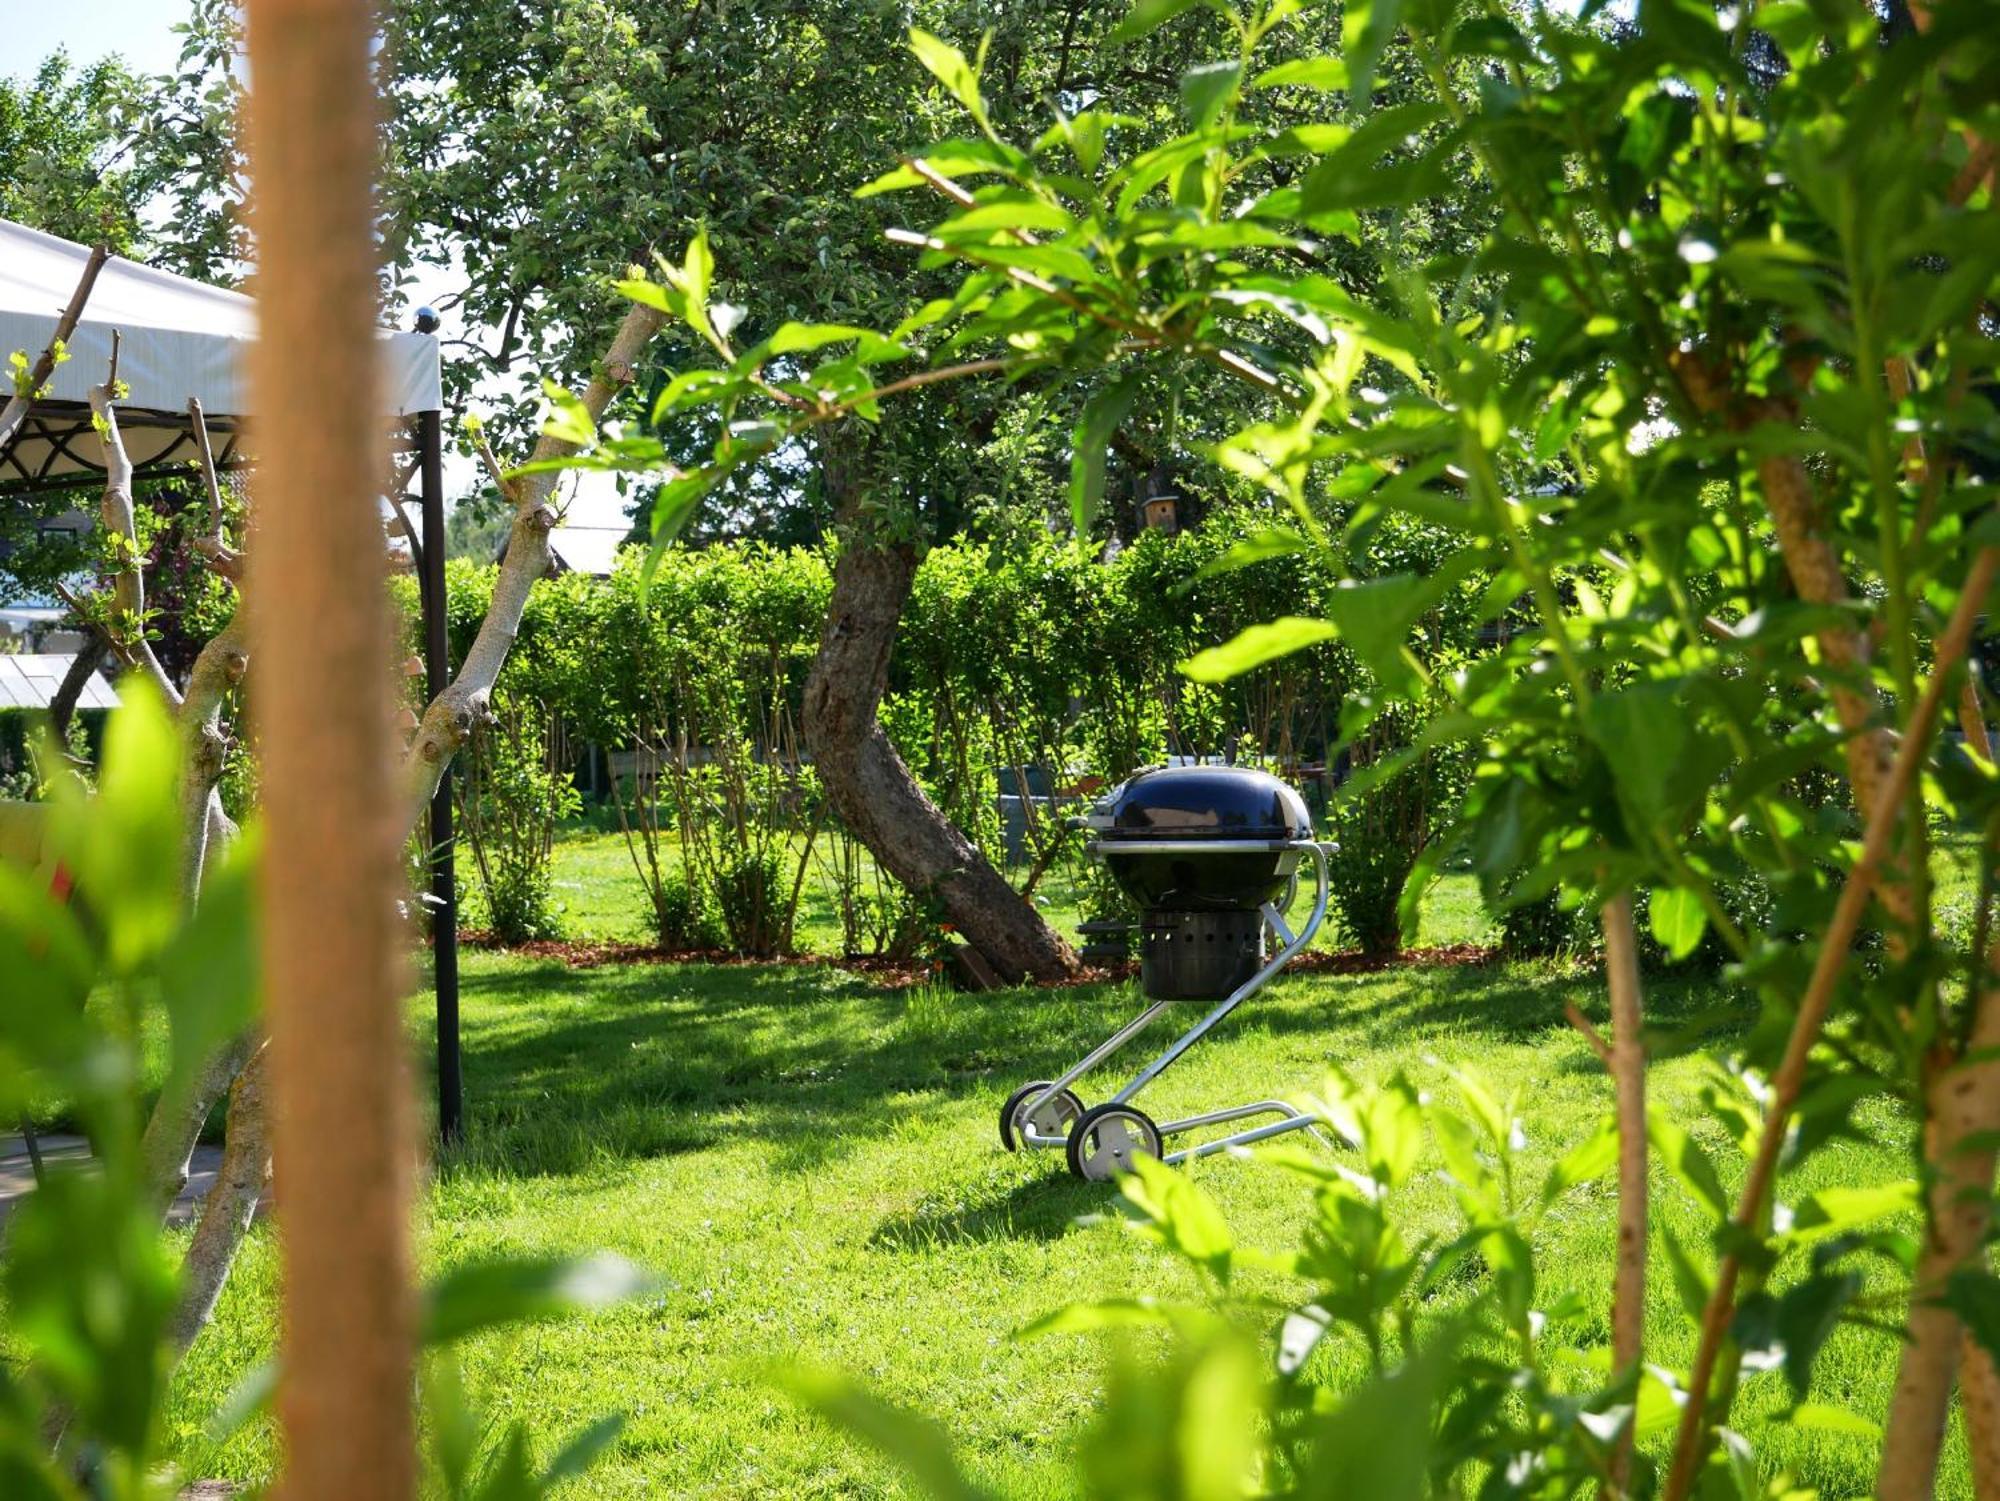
(811, 1167)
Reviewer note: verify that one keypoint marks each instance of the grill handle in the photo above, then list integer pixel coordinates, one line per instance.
(1107, 847)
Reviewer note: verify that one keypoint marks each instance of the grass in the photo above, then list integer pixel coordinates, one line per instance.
(602, 900)
(810, 1166)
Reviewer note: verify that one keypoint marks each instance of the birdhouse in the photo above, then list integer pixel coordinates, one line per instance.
(1159, 500)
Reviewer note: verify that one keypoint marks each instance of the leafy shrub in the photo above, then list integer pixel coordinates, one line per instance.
(1404, 799)
(750, 899)
(682, 921)
(93, 1285)
(511, 796)
(1538, 928)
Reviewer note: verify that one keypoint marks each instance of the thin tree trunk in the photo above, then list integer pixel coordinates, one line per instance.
(1627, 1062)
(62, 707)
(341, 1120)
(204, 747)
(873, 791)
(230, 1206)
(1962, 1110)
(128, 584)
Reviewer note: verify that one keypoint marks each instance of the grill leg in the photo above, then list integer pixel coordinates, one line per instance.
(1090, 1061)
(1293, 944)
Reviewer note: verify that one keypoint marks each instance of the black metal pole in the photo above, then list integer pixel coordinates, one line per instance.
(444, 886)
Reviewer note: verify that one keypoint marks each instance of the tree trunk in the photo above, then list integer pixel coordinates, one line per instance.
(1628, 1071)
(230, 1206)
(342, 1126)
(873, 790)
(62, 707)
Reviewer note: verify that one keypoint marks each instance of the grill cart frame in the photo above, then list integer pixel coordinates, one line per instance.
(1100, 1141)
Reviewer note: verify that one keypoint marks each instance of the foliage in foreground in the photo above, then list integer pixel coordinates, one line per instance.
(95, 952)
(1485, 1379)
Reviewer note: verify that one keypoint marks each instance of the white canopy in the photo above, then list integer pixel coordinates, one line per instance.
(178, 338)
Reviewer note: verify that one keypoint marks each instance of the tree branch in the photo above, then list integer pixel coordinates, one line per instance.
(230, 1206)
(16, 410)
(452, 716)
(1835, 945)
(127, 631)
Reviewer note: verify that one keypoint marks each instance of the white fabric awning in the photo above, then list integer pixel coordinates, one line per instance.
(178, 338)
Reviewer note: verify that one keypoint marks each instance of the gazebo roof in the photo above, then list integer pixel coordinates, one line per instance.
(178, 339)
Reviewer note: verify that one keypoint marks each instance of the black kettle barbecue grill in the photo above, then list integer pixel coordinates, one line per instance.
(1211, 855)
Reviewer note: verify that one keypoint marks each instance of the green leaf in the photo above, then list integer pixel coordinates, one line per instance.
(1324, 74)
(566, 419)
(584, 1450)
(1974, 1295)
(674, 506)
(1181, 1214)
(1011, 211)
(1115, 1313)
(1365, 30)
(1589, 1159)
(1148, 15)
(1478, 1189)
(209, 972)
(1207, 87)
(1792, 1328)
(486, 1294)
(1254, 646)
(125, 843)
(1686, 1160)
(1654, 746)
(698, 269)
(1676, 917)
(1822, 1418)
(919, 1445)
(1691, 1283)
(1377, 1443)
(1375, 616)
(793, 338)
(1101, 417)
(1840, 1210)
(948, 66)
(1276, 542)
(1356, 174)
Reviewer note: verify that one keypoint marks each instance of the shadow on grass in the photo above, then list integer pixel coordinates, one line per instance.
(570, 1071)
(1042, 1208)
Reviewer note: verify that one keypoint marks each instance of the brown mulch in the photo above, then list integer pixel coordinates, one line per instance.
(902, 974)
(890, 974)
(1354, 962)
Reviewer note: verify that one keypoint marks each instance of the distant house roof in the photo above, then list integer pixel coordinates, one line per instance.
(596, 520)
(30, 680)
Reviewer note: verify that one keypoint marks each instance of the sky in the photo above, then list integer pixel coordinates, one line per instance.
(138, 30)
(141, 31)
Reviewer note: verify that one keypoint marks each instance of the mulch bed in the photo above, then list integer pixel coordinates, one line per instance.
(902, 974)
(890, 974)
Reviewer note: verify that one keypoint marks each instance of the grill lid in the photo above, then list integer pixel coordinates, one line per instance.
(1200, 802)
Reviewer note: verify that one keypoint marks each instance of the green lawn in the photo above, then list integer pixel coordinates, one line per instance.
(810, 1165)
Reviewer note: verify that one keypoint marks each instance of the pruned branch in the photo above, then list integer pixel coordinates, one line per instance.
(450, 719)
(212, 545)
(16, 410)
(127, 632)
